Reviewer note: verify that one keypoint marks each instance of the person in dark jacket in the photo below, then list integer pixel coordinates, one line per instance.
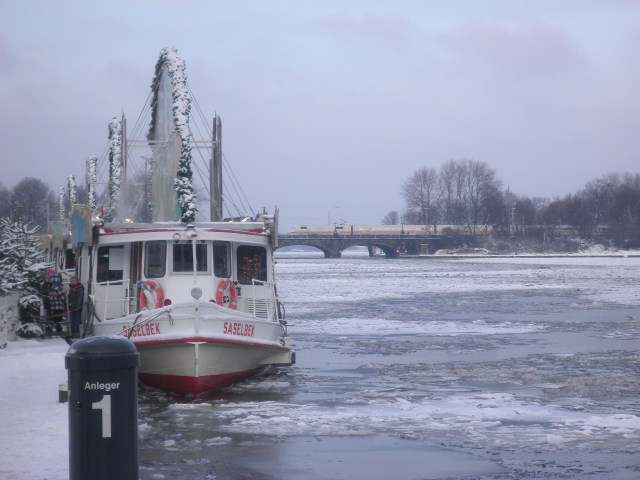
(75, 299)
(57, 301)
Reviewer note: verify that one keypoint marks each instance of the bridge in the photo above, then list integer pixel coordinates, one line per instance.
(393, 246)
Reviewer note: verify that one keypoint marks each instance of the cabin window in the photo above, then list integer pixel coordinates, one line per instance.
(221, 259)
(69, 259)
(252, 264)
(110, 263)
(155, 256)
(183, 257)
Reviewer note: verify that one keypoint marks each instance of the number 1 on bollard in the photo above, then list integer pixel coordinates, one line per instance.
(105, 406)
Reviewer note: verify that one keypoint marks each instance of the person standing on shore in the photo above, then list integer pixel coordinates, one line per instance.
(75, 300)
(57, 301)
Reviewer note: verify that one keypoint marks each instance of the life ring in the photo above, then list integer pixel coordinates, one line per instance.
(151, 295)
(230, 300)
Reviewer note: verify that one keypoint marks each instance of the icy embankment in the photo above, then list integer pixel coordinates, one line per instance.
(34, 427)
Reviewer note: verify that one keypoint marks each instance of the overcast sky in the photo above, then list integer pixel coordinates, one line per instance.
(329, 106)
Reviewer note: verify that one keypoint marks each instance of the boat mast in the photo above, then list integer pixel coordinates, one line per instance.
(124, 200)
(215, 171)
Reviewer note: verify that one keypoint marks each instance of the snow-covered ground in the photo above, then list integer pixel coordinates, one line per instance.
(33, 425)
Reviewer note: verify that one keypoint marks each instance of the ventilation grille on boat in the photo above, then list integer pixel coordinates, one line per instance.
(258, 307)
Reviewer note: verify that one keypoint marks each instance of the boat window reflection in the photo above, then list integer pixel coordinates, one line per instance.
(252, 264)
(110, 263)
(155, 259)
(183, 257)
(221, 259)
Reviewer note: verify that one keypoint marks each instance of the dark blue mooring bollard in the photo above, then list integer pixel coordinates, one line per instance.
(103, 409)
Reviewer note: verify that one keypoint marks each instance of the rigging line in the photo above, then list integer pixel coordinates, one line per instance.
(200, 174)
(228, 200)
(201, 169)
(142, 115)
(102, 159)
(232, 179)
(84, 178)
(203, 118)
(226, 163)
(239, 189)
(200, 150)
(208, 135)
(234, 189)
(233, 200)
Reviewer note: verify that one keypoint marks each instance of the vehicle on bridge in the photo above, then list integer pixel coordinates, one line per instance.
(382, 230)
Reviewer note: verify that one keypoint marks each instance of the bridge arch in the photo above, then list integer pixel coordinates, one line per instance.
(392, 245)
(332, 247)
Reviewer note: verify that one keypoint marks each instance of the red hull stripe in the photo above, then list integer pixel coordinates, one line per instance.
(194, 385)
(146, 343)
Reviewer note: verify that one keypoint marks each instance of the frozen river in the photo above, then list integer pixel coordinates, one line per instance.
(432, 368)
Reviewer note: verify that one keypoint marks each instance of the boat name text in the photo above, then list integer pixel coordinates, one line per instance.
(236, 328)
(143, 330)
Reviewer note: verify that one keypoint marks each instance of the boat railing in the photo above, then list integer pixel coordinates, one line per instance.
(107, 302)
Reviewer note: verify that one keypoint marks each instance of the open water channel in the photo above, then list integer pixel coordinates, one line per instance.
(438, 368)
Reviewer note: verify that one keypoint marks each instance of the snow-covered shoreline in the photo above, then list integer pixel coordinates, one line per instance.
(34, 425)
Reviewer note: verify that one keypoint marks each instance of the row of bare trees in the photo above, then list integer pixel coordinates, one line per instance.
(468, 192)
(30, 199)
(460, 192)
(35, 202)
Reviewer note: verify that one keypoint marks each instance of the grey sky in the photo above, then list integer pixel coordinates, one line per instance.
(328, 106)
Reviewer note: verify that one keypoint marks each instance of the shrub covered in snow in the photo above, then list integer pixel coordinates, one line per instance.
(22, 266)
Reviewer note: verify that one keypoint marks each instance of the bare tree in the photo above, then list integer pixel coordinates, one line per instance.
(5, 201)
(34, 200)
(452, 177)
(625, 211)
(391, 218)
(599, 195)
(480, 184)
(421, 192)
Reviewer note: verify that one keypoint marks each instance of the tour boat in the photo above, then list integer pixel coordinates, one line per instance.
(196, 297)
(198, 326)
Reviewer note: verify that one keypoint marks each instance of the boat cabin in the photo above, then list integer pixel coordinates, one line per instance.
(134, 267)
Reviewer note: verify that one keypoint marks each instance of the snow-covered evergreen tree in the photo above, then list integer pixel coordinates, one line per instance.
(115, 165)
(22, 266)
(91, 184)
(181, 108)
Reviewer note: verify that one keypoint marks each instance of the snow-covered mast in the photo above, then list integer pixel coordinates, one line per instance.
(61, 212)
(92, 162)
(115, 165)
(169, 137)
(72, 190)
(215, 171)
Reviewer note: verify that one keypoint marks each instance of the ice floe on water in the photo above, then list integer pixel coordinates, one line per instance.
(381, 327)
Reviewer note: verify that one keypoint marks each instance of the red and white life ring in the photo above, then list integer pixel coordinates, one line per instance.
(229, 299)
(151, 295)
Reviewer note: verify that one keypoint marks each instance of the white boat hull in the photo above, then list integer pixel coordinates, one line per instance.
(199, 347)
